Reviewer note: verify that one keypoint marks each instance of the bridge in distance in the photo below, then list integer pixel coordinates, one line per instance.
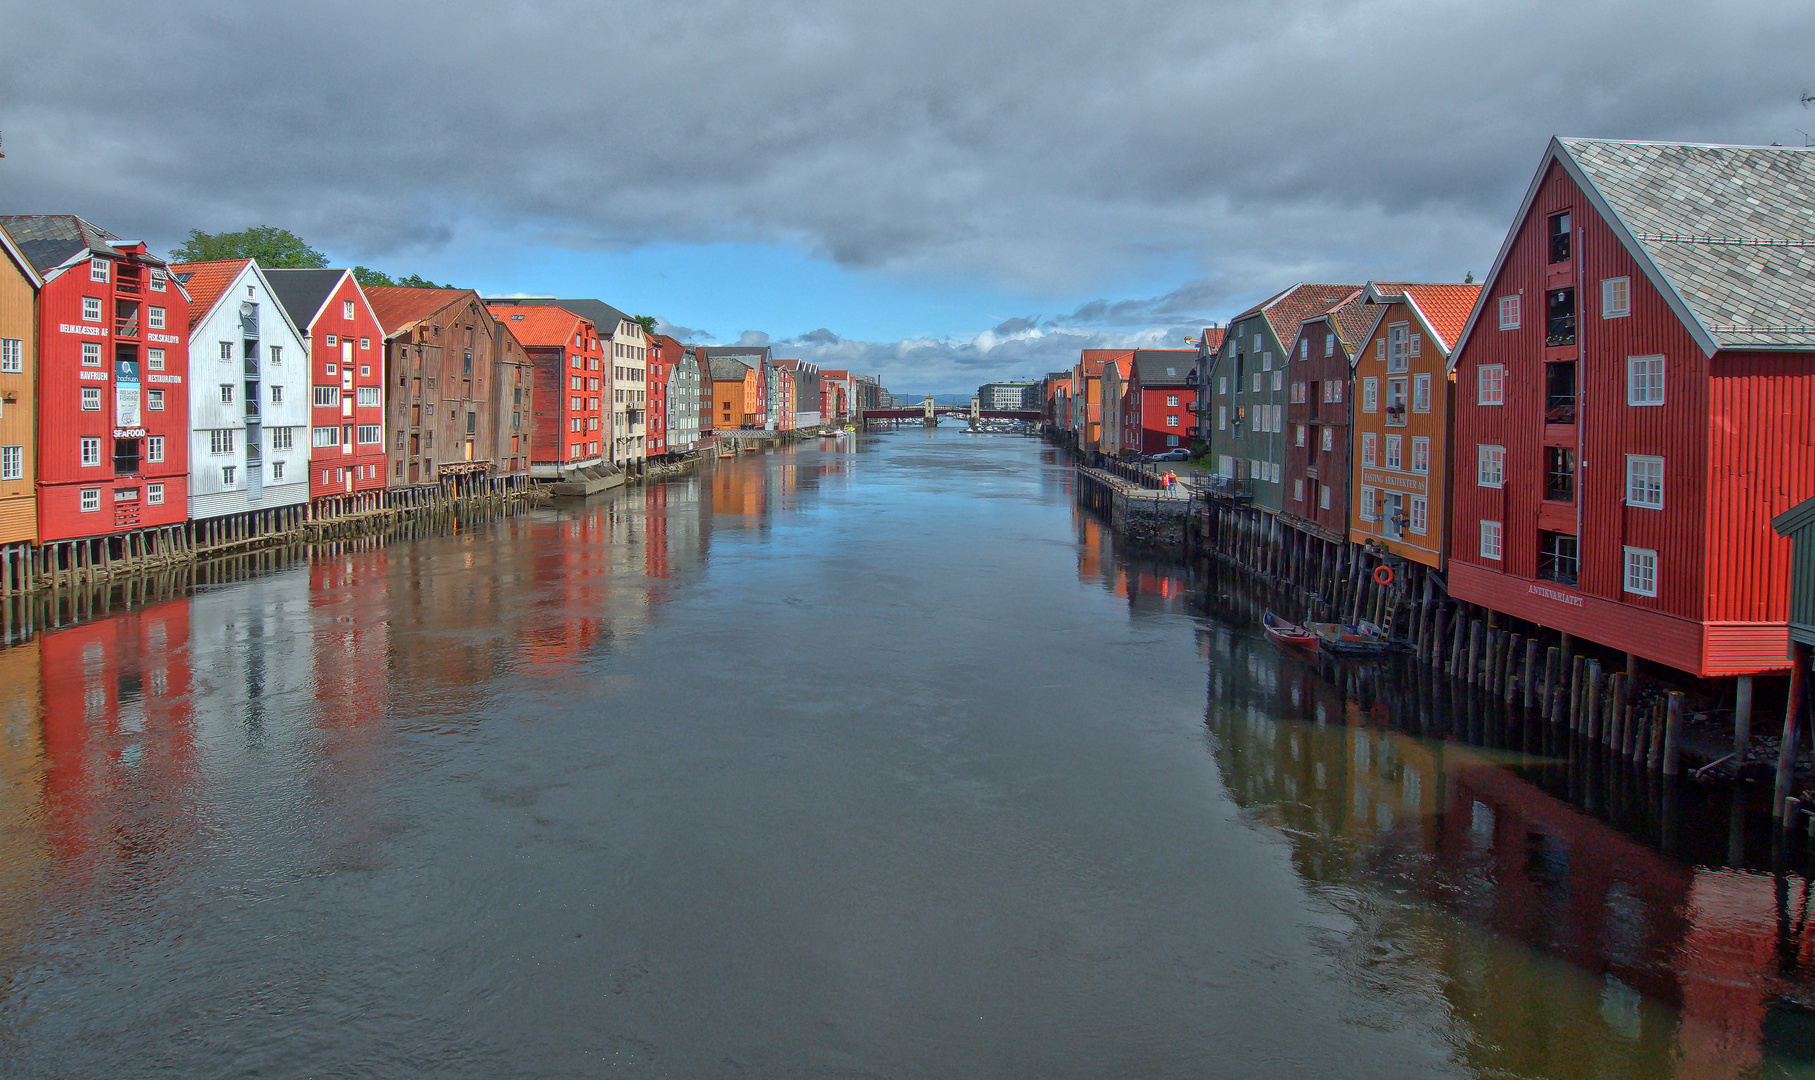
(928, 412)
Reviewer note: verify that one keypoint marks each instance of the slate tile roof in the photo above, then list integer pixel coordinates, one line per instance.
(303, 292)
(1164, 367)
(49, 240)
(205, 282)
(728, 368)
(538, 326)
(399, 307)
(1731, 228)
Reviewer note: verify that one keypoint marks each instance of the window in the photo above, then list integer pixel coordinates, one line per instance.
(12, 462)
(1276, 379)
(220, 441)
(365, 343)
(1323, 496)
(1329, 439)
(369, 435)
(157, 280)
(1266, 360)
(1222, 385)
(333, 370)
(1644, 380)
(282, 438)
(1395, 402)
(1298, 491)
(1559, 237)
(574, 404)
(12, 355)
(1368, 497)
(1421, 515)
(277, 395)
(346, 312)
(91, 354)
(1616, 298)
(154, 318)
(1172, 420)
(277, 470)
(1299, 429)
(1398, 346)
(1172, 401)
(154, 449)
(1257, 376)
(332, 341)
(327, 395)
(1645, 481)
(1421, 455)
(1490, 384)
(1222, 418)
(228, 472)
(154, 400)
(1369, 447)
(1558, 558)
(91, 500)
(276, 354)
(97, 269)
(1560, 473)
(1304, 349)
(1298, 393)
(368, 396)
(1509, 313)
(1370, 395)
(1421, 393)
(91, 310)
(1334, 389)
(154, 494)
(1641, 571)
(326, 436)
(1490, 540)
(1560, 317)
(1490, 466)
(226, 393)
(154, 359)
(91, 452)
(1394, 460)
(91, 399)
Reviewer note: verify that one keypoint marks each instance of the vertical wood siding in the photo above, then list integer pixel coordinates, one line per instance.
(18, 423)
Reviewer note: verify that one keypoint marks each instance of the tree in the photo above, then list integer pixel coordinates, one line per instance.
(274, 248)
(647, 322)
(368, 277)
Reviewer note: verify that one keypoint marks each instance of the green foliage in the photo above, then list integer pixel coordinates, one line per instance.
(1199, 449)
(647, 322)
(274, 248)
(369, 277)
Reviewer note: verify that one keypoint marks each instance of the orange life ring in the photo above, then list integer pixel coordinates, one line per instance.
(1383, 575)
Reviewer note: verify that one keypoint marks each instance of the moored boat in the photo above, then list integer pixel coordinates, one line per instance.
(1349, 639)
(1288, 635)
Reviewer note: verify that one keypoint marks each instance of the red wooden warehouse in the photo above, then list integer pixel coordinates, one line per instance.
(1318, 368)
(566, 417)
(110, 321)
(1635, 400)
(346, 369)
(1158, 399)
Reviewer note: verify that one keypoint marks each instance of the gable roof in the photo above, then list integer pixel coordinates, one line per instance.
(727, 368)
(205, 282)
(1443, 308)
(24, 264)
(537, 326)
(1212, 338)
(303, 292)
(1726, 234)
(1286, 312)
(603, 316)
(51, 241)
(739, 350)
(400, 307)
(1163, 367)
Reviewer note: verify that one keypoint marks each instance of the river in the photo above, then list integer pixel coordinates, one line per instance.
(866, 761)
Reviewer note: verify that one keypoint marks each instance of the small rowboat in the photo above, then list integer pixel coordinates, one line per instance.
(1347, 639)
(1288, 635)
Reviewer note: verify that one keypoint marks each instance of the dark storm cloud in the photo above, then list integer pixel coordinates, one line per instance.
(1048, 147)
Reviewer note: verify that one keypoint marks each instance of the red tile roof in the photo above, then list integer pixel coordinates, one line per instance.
(539, 326)
(205, 282)
(1288, 311)
(1445, 307)
(398, 307)
(1213, 337)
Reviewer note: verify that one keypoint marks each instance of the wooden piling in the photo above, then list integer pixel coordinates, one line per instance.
(1592, 712)
(1673, 730)
(1742, 717)
(1792, 725)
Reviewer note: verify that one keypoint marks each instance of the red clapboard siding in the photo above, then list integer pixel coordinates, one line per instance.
(1763, 463)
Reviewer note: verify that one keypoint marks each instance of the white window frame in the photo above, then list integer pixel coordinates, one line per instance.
(327, 397)
(154, 317)
(1370, 497)
(91, 451)
(157, 280)
(91, 309)
(323, 437)
(284, 438)
(154, 449)
(1421, 455)
(99, 270)
(154, 494)
(277, 470)
(1492, 541)
(91, 399)
(154, 359)
(1329, 344)
(346, 310)
(1642, 395)
(1641, 469)
(228, 473)
(1418, 515)
(220, 441)
(1398, 347)
(91, 500)
(1421, 393)
(91, 354)
(1323, 496)
(373, 430)
(1616, 297)
(1299, 433)
(1370, 448)
(366, 397)
(12, 462)
(12, 355)
(1395, 453)
(1509, 312)
(1298, 490)
(1490, 384)
(226, 393)
(1370, 394)
(1329, 439)
(226, 352)
(1490, 466)
(1644, 560)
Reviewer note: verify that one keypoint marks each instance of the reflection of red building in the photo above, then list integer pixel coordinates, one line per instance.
(351, 641)
(119, 749)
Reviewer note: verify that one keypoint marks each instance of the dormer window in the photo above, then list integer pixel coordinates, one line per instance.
(1559, 237)
(97, 270)
(157, 280)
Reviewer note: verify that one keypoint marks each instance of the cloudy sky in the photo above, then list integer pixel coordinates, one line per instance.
(943, 192)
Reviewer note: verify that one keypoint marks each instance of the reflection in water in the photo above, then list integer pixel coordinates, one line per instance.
(873, 757)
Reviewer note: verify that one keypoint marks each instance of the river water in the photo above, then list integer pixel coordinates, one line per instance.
(866, 761)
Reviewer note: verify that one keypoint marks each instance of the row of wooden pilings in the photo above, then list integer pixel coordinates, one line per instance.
(1331, 579)
(69, 564)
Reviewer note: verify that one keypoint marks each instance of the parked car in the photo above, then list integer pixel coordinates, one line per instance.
(1180, 454)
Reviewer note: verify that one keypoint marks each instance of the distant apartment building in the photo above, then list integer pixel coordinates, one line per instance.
(1013, 395)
